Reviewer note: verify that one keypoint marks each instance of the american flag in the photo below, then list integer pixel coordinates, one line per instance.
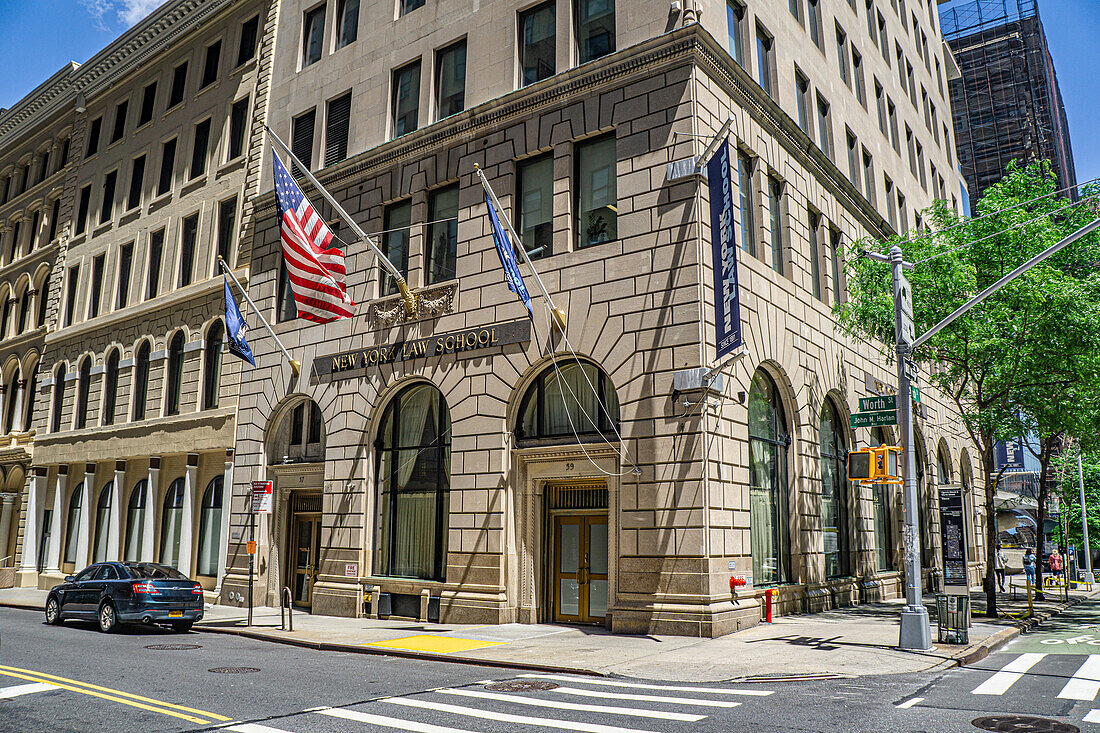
(316, 270)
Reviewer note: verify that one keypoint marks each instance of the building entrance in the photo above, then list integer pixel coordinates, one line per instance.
(578, 553)
(303, 547)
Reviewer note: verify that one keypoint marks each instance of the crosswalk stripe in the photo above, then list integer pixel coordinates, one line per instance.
(1093, 716)
(639, 686)
(647, 698)
(508, 718)
(6, 693)
(1085, 682)
(254, 728)
(610, 709)
(383, 721)
(999, 683)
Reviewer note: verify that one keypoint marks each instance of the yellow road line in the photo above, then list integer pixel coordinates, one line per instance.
(157, 706)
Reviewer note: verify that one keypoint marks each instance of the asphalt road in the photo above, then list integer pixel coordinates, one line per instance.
(73, 678)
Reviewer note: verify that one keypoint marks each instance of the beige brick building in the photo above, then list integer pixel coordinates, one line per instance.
(466, 463)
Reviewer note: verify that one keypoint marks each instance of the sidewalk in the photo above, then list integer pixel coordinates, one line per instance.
(853, 641)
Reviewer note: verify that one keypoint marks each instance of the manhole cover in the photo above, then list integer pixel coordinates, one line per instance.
(1023, 724)
(521, 686)
(234, 670)
(173, 647)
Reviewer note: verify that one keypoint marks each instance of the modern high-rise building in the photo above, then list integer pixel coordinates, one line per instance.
(1007, 105)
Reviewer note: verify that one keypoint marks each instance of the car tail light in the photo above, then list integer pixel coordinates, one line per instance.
(197, 590)
(145, 587)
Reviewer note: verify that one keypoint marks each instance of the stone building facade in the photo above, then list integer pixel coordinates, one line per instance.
(135, 412)
(471, 465)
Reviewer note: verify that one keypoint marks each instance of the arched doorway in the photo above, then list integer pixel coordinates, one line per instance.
(834, 493)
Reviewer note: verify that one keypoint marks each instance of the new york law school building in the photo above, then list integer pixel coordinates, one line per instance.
(427, 466)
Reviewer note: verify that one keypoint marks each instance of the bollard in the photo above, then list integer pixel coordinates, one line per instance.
(1030, 608)
(768, 605)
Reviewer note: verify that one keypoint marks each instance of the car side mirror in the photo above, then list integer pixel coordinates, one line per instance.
(70, 578)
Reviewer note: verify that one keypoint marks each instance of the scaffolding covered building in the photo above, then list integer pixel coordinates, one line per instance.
(1006, 105)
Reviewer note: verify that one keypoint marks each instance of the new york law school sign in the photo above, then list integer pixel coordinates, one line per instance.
(338, 366)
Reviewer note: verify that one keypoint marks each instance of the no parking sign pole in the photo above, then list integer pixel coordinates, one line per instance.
(259, 503)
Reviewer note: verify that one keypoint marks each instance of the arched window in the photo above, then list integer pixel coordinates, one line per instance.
(29, 397)
(212, 367)
(83, 384)
(141, 380)
(924, 529)
(110, 388)
(72, 526)
(569, 398)
(102, 523)
(769, 535)
(135, 522)
(880, 498)
(24, 309)
(943, 466)
(7, 316)
(300, 437)
(834, 492)
(175, 374)
(58, 399)
(43, 301)
(171, 524)
(413, 466)
(11, 397)
(210, 528)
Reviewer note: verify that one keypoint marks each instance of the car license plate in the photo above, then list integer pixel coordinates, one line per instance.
(175, 614)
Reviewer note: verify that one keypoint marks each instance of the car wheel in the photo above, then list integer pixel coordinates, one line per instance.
(53, 612)
(182, 627)
(107, 618)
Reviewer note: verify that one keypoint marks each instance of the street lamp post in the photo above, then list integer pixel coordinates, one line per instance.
(1087, 577)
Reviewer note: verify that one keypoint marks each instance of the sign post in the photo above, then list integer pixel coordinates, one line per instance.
(954, 547)
(259, 502)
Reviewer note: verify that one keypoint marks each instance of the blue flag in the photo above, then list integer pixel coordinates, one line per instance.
(235, 328)
(507, 257)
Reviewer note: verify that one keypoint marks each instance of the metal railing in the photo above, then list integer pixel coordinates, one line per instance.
(285, 601)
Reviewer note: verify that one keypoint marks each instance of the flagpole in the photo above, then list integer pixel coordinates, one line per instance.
(557, 313)
(406, 295)
(295, 365)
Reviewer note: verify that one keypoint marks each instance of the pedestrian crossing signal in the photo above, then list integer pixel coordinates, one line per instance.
(875, 465)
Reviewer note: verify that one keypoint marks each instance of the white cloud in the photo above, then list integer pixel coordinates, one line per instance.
(98, 9)
(129, 12)
(134, 10)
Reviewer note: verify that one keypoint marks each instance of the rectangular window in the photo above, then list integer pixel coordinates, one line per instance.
(744, 187)
(148, 103)
(538, 47)
(82, 209)
(901, 64)
(838, 265)
(43, 166)
(285, 308)
(65, 145)
(55, 214)
(892, 113)
(813, 20)
(167, 166)
(227, 231)
(199, 151)
(211, 64)
(815, 253)
(107, 207)
(119, 128)
(912, 149)
(97, 285)
(891, 212)
(406, 99)
(597, 192)
(125, 263)
(179, 85)
(347, 22)
(871, 21)
(94, 131)
(189, 232)
(853, 158)
(912, 84)
(775, 216)
(32, 235)
(868, 177)
(920, 166)
(450, 80)
(336, 129)
(802, 96)
(137, 180)
(73, 279)
(442, 234)
(407, 6)
(249, 31)
(24, 177)
(301, 139)
(824, 127)
(903, 216)
(880, 104)
(765, 61)
(313, 34)
(238, 118)
(396, 220)
(595, 28)
(795, 6)
(536, 205)
(883, 40)
(842, 55)
(735, 30)
(156, 252)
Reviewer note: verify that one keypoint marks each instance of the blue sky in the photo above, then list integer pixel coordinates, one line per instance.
(39, 36)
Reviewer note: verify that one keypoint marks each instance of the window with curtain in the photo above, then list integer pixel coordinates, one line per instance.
(175, 374)
(83, 383)
(834, 492)
(880, 497)
(135, 522)
(171, 524)
(110, 388)
(212, 366)
(102, 523)
(72, 525)
(769, 534)
(568, 398)
(141, 380)
(210, 524)
(413, 466)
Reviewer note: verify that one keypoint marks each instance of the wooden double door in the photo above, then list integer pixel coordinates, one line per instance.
(579, 568)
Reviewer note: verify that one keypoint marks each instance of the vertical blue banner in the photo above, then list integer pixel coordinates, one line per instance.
(727, 306)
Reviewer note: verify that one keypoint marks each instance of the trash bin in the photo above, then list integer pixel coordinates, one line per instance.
(953, 615)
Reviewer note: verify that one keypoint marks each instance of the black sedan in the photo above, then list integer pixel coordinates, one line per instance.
(120, 592)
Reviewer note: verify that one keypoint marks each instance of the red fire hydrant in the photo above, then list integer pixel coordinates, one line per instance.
(768, 605)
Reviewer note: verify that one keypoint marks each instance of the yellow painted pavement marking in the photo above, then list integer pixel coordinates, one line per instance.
(434, 643)
(107, 693)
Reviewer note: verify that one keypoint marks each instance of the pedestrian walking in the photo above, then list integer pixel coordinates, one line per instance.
(1055, 562)
(1000, 561)
(1029, 565)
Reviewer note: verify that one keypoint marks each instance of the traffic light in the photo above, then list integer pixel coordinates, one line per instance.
(875, 465)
